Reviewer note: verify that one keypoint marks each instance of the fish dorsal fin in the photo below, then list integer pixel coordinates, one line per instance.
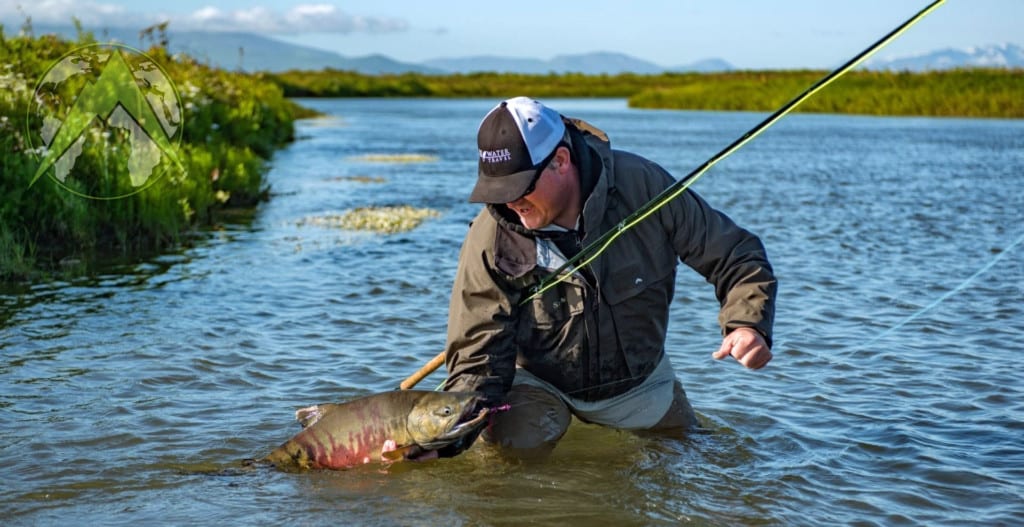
(309, 415)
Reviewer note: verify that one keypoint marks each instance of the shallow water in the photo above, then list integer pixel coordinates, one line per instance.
(132, 394)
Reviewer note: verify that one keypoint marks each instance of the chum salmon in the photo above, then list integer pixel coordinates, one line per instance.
(343, 435)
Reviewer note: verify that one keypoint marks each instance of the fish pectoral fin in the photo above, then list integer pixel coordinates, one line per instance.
(401, 453)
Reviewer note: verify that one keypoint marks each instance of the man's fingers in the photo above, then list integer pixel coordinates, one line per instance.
(757, 358)
(724, 350)
(747, 347)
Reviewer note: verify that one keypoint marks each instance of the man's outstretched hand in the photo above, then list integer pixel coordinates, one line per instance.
(747, 346)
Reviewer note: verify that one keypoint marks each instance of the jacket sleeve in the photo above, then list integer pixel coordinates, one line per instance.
(480, 353)
(730, 258)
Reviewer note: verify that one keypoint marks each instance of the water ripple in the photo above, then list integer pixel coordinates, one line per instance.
(143, 385)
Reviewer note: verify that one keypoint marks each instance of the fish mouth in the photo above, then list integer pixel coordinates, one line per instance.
(471, 422)
(468, 425)
(462, 435)
(462, 431)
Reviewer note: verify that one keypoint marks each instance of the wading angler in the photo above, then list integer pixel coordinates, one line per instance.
(593, 344)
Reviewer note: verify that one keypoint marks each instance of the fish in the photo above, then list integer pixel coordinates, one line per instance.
(352, 433)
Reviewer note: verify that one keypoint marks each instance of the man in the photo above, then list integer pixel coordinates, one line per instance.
(593, 345)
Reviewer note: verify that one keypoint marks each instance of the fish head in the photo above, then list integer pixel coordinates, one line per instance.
(439, 419)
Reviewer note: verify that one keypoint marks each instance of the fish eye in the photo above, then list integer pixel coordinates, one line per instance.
(445, 412)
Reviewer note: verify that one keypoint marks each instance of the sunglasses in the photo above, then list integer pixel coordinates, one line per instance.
(540, 171)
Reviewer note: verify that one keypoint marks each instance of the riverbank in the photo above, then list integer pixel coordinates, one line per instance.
(954, 93)
(230, 125)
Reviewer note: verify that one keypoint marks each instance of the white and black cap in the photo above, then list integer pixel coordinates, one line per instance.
(513, 141)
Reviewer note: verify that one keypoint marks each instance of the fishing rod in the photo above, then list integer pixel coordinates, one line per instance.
(594, 249)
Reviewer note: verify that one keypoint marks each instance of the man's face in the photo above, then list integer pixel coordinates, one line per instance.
(549, 198)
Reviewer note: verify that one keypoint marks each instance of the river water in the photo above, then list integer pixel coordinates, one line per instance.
(131, 394)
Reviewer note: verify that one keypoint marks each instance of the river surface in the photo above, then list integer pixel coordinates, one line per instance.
(131, 394)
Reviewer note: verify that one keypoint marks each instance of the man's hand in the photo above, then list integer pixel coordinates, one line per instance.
(747, 346)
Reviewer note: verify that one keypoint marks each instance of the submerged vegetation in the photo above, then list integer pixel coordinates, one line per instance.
(383, 220)
(966, 93)
(231, 125)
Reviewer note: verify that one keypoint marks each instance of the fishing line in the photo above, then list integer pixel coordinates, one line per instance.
(589, 253)
(946, 296)
(594, 249)
(949, 293)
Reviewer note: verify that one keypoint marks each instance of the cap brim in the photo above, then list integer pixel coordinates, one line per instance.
(501, 189)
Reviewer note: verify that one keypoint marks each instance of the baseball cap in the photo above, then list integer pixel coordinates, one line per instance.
(513, 141)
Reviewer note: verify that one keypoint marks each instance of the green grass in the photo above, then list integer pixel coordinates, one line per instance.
(955, 93)
(963, 93)
(338, 83)
(232, 124)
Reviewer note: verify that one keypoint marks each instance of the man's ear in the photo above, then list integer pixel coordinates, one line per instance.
(561, 157)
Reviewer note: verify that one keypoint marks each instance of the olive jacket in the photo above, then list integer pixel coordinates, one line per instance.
(602, 331)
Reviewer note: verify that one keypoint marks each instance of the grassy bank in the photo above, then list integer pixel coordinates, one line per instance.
(966, 93)
(336, 83)
(955, 93)
(231, 124)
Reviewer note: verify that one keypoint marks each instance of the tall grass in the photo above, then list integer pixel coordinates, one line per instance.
(954, 93)
(232, 123)
(967, 93)
(339, 83)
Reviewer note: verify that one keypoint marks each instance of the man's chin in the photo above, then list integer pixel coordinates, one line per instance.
(533, 223)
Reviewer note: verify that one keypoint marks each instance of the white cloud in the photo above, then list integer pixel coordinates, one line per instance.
(302, 18)
(59, 12)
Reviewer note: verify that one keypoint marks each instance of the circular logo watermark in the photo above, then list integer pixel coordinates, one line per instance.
(105, 122)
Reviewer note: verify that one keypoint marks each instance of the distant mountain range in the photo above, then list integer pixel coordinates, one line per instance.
(992, 56)
(252, 52)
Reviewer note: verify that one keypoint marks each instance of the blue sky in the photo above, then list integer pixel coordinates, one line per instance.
(746, 33)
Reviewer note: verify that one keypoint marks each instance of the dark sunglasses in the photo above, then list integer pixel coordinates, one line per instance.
(540, 171)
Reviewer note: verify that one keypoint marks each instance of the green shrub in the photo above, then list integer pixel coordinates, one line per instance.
(232, 124)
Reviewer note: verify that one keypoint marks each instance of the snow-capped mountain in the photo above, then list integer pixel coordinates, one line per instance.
(991, 56)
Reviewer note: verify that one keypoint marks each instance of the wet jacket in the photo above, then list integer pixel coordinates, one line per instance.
(602, 331)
